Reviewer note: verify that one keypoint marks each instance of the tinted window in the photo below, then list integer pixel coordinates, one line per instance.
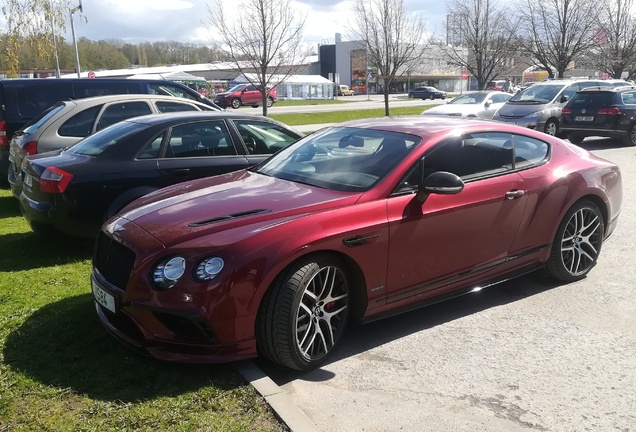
(33, 99)
(264, 137)
(121, 111)
(165, 107)
(81, 124)
(152, 150)
(97, 143)
(168, 89)
(209, 138)
(592, 100)
(38, 121)
(529, 151)
(471, 156)
(95, 87)
(629, 98)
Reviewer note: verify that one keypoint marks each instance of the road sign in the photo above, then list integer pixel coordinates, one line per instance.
(464, 75)
(91, 74)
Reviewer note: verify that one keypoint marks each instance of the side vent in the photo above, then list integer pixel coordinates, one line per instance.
(228, 217)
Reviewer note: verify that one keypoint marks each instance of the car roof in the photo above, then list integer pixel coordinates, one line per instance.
(96, 100)
(196, 115)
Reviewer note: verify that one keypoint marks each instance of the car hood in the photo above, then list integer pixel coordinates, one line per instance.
(224, 94)
(452, 109)
(519, 109)
(243, 198)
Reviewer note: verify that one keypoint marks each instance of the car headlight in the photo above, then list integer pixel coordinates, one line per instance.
(208, 269)
(168, 272)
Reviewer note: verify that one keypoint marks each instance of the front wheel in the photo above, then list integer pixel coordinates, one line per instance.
(270, 102)
(630, 139)
(577, 243)
(575, 138)
(304, 313)
(236, 103)
(551, 127)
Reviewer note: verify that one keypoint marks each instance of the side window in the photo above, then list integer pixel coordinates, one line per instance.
(198, 139)
(121, 111)
(88, 88)
(629, 98)
(472, 156)
(166, 107)
(168, 89)
(569, 91)
(529, 151)
(263, 137)
(152, 149)
(33, 99)
(250, 88)
(81, 124)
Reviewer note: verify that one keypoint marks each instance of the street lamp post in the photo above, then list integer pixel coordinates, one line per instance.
(77, 62)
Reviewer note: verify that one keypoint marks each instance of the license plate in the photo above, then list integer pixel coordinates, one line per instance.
(584, 118)
(28, 180)
(102, 297)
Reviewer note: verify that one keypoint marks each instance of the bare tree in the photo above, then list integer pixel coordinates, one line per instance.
(393, 38)
(561, 31)
(33, 22)
(615, 38)
(265, 39)
(480, 38)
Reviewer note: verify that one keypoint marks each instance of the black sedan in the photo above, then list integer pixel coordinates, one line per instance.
(427, 93)
(601, 111)
(73, 191)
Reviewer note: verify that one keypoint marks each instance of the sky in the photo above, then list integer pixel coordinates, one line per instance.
(183, 20)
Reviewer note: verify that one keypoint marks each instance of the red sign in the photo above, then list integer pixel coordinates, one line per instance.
(91, 74)
(464, 75)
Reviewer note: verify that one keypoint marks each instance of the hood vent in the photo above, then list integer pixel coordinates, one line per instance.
(228, 217)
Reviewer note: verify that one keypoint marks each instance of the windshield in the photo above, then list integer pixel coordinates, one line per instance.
(469, 99)
(537, 94)
(343, 159)
(38, 121)
(100, 141)
(236, 88)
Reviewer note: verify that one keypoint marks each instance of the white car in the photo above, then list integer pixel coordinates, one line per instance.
(480, 104)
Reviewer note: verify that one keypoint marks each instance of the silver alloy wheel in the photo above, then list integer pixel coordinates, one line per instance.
(321, 313)
(632, 135)
(551, 128)
(581, 241)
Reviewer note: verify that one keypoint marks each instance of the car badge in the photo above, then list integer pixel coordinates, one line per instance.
(583, 110)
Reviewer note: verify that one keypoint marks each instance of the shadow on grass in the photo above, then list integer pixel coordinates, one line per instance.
(9, 207)
(361, 338)
(25, 251)
(64, 345)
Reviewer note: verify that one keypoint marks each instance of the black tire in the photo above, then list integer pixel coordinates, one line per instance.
(270, 102)
(431, 97)
(551, 127)
(310, 298)
(236, 103)
(575, 138)
(630, 139)
(255, 106)
(577, 243)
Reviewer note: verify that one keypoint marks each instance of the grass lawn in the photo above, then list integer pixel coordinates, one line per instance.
(340, 116)
(61, 371)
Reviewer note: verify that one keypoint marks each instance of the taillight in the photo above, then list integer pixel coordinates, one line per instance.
(55, 180)
(30, 148)
(3, 134)
(610, 111)
(566, 110)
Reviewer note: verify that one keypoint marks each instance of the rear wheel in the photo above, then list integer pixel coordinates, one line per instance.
(551, 127)
(575, 138)
(630, 139)
(304, 313)
(577, 243)
(270, 102)
(236, 103)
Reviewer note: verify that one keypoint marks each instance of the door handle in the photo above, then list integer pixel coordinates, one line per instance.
(512, 194)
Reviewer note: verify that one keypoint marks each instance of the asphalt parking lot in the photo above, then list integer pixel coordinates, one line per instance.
(527, 355)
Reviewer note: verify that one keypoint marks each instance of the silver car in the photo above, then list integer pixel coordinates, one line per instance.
(539, 106)
(479, 104)
(67, 122)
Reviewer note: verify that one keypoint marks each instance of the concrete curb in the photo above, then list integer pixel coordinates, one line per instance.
(281, 403)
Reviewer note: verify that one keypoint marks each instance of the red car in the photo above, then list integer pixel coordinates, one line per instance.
(356, 222)
(244, 94)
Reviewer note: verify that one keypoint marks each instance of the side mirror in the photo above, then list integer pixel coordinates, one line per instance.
(565, 98)
(487, 103)
(441, 183)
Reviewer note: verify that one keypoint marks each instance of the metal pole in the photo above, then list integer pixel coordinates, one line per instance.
(77, 63)
(57, 59)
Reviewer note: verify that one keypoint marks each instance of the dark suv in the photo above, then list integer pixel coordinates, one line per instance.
(604, 111)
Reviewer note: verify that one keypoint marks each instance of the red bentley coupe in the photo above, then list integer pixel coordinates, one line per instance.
(362, 220)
